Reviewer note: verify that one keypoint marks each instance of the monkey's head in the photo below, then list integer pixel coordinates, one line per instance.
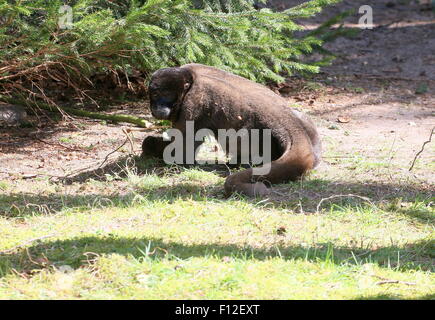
(167, 89)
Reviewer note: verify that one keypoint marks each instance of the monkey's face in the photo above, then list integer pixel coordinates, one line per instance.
(166, 91)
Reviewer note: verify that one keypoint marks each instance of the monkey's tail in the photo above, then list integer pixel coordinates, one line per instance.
(298, 158)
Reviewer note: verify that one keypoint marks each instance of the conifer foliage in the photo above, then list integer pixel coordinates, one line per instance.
(127, 36)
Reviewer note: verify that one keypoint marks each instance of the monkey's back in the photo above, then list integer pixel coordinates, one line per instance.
(250, 90)
(242, 103)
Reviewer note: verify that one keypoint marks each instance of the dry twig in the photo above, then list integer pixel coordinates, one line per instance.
(422, 148)
(342, 196)
(389, 281)
(26, 243)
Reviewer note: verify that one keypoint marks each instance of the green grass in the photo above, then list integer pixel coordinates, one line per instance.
(171, 234)
(66, 140)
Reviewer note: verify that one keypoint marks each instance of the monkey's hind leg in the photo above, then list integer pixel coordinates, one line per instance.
(291, 166)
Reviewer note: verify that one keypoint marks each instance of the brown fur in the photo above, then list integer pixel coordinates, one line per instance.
(216, 99)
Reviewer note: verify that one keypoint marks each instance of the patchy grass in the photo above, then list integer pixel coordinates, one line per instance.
(166, 232)
(169, 233)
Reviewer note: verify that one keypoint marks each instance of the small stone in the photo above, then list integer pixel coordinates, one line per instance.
(281, 231)
(343, 119)
(226, 259)
(397, 58)
(65, 269)
(29, 176)
(333, 127)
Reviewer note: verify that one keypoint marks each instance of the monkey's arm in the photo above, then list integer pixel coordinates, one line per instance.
(153, 146)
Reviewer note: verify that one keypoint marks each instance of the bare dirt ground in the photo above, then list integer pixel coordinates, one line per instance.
(375, 104)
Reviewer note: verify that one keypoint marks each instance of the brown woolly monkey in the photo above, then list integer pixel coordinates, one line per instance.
(215, 99)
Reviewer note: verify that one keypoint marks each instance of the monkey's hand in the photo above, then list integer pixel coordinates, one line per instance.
(153, 146)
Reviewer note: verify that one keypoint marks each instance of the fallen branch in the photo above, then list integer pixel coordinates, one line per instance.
(422, 148)
(26, 243)
(78, 112)
(388, 281)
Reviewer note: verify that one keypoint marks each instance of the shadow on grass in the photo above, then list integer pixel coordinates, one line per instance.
(411, 200)
(140, 166)
(415, 256)
(79, 252)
